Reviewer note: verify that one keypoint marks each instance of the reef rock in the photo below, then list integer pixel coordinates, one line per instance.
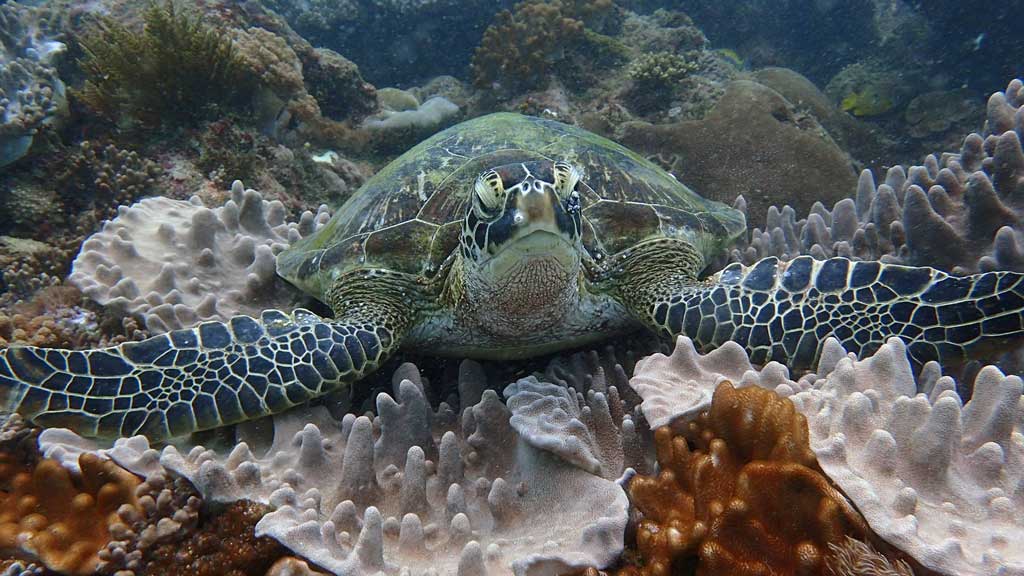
(754, 143)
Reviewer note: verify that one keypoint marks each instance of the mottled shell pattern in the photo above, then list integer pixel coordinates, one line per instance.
(408, 217)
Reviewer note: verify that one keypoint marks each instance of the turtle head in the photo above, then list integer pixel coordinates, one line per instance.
(523, 225)
(521, 211)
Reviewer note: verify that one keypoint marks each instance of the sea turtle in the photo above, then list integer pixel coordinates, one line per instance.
(504, 236)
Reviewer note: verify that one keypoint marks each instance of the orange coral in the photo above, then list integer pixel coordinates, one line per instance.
(60, 518)
(741, 491)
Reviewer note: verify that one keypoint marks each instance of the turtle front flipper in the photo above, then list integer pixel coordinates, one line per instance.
(784, 311)
(214, 374)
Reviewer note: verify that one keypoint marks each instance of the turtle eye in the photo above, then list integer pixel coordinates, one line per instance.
(566, 178)
(490, 190)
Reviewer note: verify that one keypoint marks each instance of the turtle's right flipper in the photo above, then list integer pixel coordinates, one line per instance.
(214, 374)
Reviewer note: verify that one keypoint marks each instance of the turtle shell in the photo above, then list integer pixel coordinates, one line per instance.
(408, 216)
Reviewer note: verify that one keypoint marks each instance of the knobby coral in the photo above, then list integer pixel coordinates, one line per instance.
(492, 490)
(177, 69)
(960, 212)
(32, 96)
(60, 518)
(740, 490)
(174, 262)
(935, 476)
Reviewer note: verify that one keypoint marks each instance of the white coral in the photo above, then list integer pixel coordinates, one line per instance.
(941, 480)
(176, 263)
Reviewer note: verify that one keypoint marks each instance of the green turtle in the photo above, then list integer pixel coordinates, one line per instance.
(505, 236)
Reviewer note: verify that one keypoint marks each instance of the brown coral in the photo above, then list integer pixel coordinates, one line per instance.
(740, 491)
(224, 545)
(523, 45)
(60, 518)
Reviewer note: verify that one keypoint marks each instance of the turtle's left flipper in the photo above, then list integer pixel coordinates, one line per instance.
(784, 311)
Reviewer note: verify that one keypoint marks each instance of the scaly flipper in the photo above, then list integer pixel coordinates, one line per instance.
(784, 311)
(214, 374)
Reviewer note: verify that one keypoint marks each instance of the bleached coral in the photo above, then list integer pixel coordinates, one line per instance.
(176, 263)
(958, 211)
(935, 476)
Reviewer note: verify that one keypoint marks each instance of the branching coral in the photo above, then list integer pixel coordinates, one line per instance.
(740, 489)
(176, 69)
(661, 70)
(60, 518)
(100, 177)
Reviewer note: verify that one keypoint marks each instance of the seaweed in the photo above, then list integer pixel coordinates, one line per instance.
(177, 70)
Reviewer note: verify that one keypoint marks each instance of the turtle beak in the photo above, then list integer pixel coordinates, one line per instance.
(534, 206)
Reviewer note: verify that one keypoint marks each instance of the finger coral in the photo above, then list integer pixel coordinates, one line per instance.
(959, 212)
(415, 488)
(32, 96)
(60, 518)
(741, 491)
(935, 476)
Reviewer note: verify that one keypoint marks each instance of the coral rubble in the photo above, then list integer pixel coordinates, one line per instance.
(175, 263)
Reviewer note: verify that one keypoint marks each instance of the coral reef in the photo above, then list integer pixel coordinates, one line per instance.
(935, 476)
(177, 69)
(494, 488)
(538, 44)
(175, 263)
(754, 143)
(957, 212)
(53, 318)
(167, 511)
(99, 177)
(60, 518)
(32, 96)
(740, 490)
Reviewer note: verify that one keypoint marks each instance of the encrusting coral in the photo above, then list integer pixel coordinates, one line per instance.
(958, 212)
(60, 518)
(740, 490)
